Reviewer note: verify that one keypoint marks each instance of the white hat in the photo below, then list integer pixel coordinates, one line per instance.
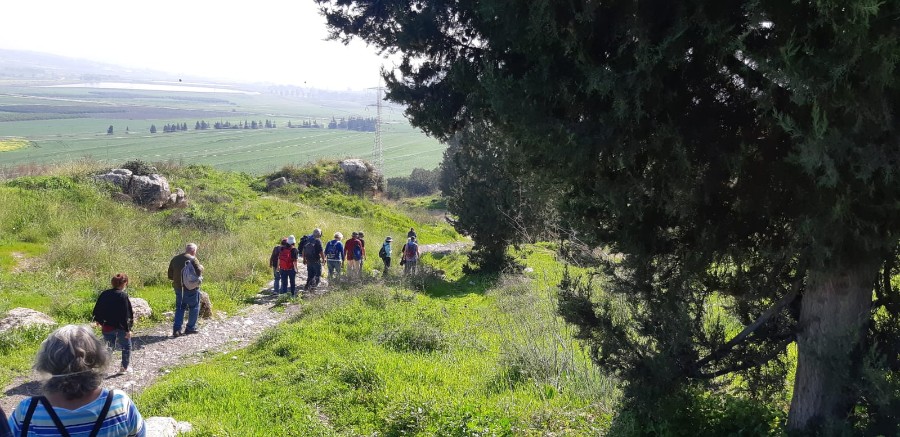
(291, 240)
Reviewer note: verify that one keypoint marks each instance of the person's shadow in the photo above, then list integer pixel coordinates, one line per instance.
(140, 341)
(27, 389)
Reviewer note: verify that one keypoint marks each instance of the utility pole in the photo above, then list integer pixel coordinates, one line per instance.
(378, 147)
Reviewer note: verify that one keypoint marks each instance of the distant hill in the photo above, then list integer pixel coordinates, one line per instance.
(25, 65)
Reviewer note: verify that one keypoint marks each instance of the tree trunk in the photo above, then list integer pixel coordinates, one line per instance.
(833, 318)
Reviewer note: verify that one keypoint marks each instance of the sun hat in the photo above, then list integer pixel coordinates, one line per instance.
(389, 239)
(338, 235)
(291, 240)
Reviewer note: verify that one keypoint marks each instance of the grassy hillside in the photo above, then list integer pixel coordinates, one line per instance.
(62, 238)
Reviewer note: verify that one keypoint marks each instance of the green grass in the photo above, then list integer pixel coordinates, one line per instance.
(458, 359)
(254, 151)
(76, 238)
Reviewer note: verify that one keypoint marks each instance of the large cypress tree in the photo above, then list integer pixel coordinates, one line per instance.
(742, 150)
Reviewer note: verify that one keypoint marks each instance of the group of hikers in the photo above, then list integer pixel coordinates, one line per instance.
(75, 359)
(290, 253)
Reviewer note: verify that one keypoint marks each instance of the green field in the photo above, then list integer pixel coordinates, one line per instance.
(65, 125)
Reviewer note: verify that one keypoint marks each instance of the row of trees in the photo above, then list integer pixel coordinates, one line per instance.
(353, 123)
(203, 125)
(739, 153)
(306, 124)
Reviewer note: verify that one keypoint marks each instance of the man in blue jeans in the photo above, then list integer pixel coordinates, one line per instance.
(184, 297)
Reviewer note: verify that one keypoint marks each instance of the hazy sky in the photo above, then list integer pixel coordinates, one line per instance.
(280, 41)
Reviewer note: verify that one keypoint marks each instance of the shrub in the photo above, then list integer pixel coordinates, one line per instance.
(418, 337)
(140, 168)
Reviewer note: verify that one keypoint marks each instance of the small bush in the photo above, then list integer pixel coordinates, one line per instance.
(140, 168)
(360, 375)
(419, 337)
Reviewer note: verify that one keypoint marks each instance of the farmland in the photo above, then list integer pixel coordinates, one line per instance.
(67, 124)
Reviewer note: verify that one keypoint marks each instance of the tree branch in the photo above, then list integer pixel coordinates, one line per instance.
(744, 365)
(738, 339)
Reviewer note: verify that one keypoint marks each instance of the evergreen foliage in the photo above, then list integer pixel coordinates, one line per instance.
(742, 155)
(493, 197)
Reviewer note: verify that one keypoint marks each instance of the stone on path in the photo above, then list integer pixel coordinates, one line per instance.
(141, 308)
(206, 310)
(23, 318)
(165, 427)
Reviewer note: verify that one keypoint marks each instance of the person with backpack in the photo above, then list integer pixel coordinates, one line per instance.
(273, 263)
(287, 265)
(362, 261)
(334, 257)
(115, 316)
(313, 257)
(73, 400)
(185, 273)
(385, 254)
(354, 253)
(411, 233)
(410, 256)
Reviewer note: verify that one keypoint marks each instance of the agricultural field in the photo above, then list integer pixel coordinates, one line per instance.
(68, 124)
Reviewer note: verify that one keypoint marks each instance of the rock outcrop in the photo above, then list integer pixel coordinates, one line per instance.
(276, 183)
(150, 191)
(23, 318)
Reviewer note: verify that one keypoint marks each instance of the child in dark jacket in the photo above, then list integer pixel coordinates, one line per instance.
(115, 316)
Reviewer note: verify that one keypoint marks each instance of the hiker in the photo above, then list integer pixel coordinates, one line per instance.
(362, 260)
(273, 262)
(385, 254)
(410, 256)
(411, 233)
(114, 315)
(186, 295)
(287, 264)
(4, 425)
(354, 253)
(73, 400)
(334, 256)
(313, 257)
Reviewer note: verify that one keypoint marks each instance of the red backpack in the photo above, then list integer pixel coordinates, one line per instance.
(285, 260)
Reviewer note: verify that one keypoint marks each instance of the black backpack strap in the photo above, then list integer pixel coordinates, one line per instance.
(59, 425)
(27, 421)
(99, 423)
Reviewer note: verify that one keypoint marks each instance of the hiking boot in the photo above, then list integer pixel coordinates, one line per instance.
(176, 333)
(191, 331)
(125, 370)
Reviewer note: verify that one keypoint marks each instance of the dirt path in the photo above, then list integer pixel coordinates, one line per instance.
(155, 352)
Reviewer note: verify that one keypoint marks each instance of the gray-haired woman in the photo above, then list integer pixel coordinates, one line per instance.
(75, 361)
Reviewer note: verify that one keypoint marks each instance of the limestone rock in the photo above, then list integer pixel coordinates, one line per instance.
(206, 310)
(165, 427)
(120, 177)
(354, 167)
(150, 190)
(140, 307)
(23, 318)
(276, 183)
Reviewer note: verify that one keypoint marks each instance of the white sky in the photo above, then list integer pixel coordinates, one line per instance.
(279, 41)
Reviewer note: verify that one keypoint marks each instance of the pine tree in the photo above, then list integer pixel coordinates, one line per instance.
(152, 128)
(109, 131)
(744, 151)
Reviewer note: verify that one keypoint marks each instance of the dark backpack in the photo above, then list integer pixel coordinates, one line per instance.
(357, 252)
(383, 253)
(303, 240)
(285, 260)
(309, 250)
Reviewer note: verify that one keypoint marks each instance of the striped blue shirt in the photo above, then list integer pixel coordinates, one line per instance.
(122, 420)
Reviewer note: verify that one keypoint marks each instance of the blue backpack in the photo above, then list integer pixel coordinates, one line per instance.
(331, 250)
(357, 252)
